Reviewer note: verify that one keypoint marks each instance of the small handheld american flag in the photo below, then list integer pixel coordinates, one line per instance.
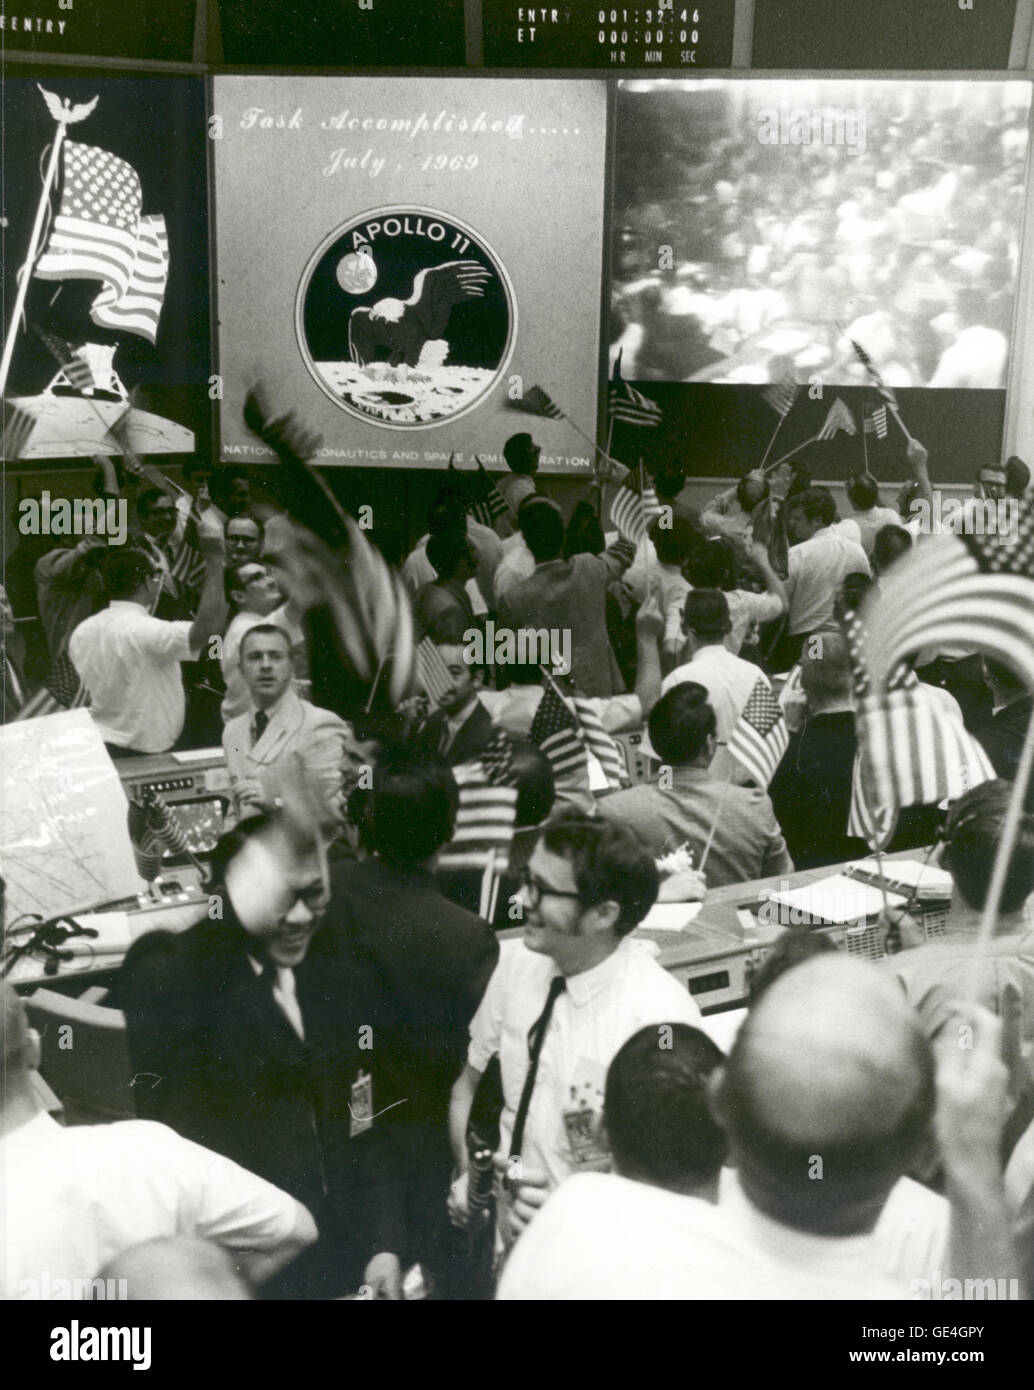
(876, 422)
(555, 730)
(632, 510)
(761, 735)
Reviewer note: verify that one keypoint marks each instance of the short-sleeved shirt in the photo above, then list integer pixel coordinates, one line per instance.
(601, 1236)
(77, 1197)
(817, 568)
(129, 662)
(598, 1012)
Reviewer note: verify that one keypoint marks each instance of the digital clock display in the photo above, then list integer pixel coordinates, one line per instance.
(577, 34)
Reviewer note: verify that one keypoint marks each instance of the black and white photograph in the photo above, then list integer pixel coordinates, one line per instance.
(517, 735)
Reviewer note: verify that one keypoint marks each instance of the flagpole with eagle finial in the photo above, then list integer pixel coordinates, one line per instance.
(65, 115)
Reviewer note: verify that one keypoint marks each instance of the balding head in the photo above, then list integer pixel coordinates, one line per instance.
(827, 1096)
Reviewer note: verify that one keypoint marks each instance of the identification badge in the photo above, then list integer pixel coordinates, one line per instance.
(360, 1105)
(585, 1141)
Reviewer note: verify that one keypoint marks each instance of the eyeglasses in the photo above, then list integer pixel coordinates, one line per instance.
(535, 890)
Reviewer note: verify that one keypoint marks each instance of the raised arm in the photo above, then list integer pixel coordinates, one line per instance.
(211, 610)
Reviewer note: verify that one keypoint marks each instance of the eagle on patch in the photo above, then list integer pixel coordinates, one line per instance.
(396, 330)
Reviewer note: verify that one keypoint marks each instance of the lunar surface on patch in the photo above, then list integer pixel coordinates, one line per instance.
(401, 395)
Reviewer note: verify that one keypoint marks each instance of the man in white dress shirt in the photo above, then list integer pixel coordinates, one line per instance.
(559, 1005)
(75, 1198)
(129, 660)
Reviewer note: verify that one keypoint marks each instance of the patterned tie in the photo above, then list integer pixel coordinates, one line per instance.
(261, 724)
(536, 1037)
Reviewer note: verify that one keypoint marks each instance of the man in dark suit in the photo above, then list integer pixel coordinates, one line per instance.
(430, 961)
(461, 726)
(811, 789)
(244, 1042)
(1003, 734)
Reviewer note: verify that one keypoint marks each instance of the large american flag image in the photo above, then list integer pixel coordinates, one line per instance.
(94, 236)
(99, 234)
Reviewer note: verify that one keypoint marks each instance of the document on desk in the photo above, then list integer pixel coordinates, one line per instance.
(838, 900)
(669, 916)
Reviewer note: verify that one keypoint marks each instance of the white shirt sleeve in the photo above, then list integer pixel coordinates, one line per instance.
(224, 1202)
(167, 639)
(486, 1027)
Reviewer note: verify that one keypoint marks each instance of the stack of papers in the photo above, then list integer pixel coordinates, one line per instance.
(838, 901)
(927, 880)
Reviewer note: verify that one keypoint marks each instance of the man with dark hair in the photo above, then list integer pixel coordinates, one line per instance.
(522, 456)
(728, 679)
(129, 661)
(889, 543)
(518, 562)
(627, 1234)
(568, 595)
(461, 726)
(454, 566)
(244, 536)
(160, 535)
(1017, 478)
(429, 961)
(811, 789)
(248, 1038)
(559, 1005)
(1003, 734)
(255, 593)
(819, 558)
(688, 805)
(449, 513)
(729, 514)
(281, 731)
(712, 565)
(868, 515)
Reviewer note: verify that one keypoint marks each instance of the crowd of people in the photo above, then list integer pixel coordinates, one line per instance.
(344, 1065)
(894, 213)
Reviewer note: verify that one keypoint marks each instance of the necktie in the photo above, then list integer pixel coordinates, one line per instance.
(261, 724)
(536, 1037)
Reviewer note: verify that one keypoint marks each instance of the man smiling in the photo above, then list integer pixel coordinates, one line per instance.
(244, 1043)
(558, 1007)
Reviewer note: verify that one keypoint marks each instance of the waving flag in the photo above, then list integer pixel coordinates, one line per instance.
(761, 736)
(632, 510)
(485, 819)
(781, 395)
(555, 730)
(139, 308)
(975, 590)
(874, 376)
(912, 751)
(489, 504)
(876, 422)
(599, 743)
(94, 236)
(534, 401)
(630, 406)
(839, 418)
(432, 672)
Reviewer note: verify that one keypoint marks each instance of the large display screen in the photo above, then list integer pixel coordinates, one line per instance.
(403, 262)
(774, 222)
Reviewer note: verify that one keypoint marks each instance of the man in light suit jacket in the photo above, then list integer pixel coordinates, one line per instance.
(278, 729)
